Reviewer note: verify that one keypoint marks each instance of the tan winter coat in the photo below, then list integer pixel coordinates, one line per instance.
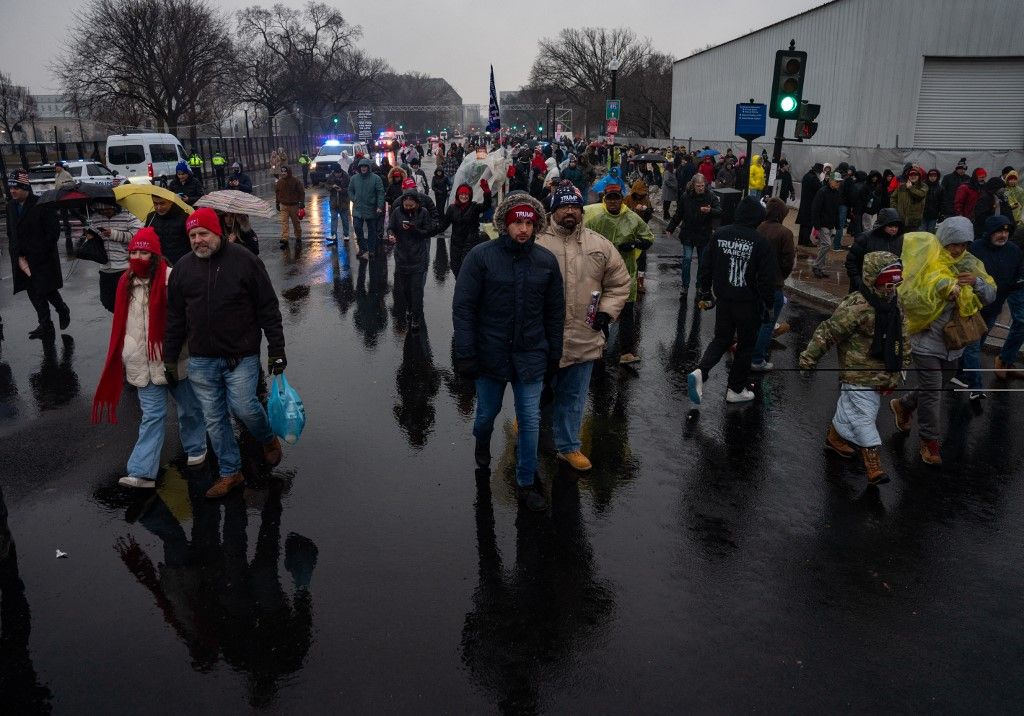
(138, 369)
(589, 262)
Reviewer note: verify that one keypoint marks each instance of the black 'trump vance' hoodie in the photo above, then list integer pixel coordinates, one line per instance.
(738, 263)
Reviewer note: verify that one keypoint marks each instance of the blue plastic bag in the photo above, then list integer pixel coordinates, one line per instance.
(284, 408)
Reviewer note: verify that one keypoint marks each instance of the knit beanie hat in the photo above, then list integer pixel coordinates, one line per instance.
(205, 218)
(145, 239)
(19, 180)
(521, 212)
(182, 167)
(565, 194)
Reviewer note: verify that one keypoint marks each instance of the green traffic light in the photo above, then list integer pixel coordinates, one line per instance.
(787, 103)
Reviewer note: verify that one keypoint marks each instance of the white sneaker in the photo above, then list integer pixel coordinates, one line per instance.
(957, 382)
(695, 386)
(762, 367)
(141, 482)
(744, 396)
(197, 460)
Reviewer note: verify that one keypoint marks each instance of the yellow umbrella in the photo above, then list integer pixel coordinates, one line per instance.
(138, 198)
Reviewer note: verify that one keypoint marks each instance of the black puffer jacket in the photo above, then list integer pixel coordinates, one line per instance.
(825, 209)
(809, 186)
(170, 227)
(190, 190)
(412, 246)
(464, 219)
(739, 263)
(874, 240)
(221, 305)
(696, 224)
(509, 308)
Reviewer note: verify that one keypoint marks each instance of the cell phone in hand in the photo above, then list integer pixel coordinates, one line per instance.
(406, 225)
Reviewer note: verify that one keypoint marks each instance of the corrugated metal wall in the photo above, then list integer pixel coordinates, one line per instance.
(865, 60)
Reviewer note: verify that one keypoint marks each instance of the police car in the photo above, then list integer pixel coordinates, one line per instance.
(334, 154)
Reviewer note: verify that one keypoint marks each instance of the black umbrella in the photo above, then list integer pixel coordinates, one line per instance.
(76, 195)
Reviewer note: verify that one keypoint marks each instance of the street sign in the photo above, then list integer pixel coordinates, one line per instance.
(612, 126)
(751, 120)
(364, 125)
(612, 109)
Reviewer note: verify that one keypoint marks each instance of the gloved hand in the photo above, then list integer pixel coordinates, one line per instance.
(301, 213)
(171, 373)
(643, 244)
(601, 321)
(276, 364)
(467, 368)
(705, 300)
(806, 364)
(626, 246)
(485, 186)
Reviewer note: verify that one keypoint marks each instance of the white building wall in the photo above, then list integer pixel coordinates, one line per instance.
(865, 59)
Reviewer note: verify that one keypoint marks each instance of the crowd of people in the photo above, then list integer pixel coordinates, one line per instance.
(933, 261)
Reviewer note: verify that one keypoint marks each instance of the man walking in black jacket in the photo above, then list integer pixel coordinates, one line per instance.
(825, 219)
(220, 299)
(738, 275)
(509, 314)
(809, 186)
(409, 229)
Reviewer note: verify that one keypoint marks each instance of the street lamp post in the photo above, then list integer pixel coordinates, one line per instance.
(547, 122)
(614, 66)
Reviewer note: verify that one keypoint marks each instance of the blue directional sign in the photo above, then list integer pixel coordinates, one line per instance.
(751, 120)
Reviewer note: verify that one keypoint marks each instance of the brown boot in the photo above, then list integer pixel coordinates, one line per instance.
(272, 452)
(835, 443)
(901, 414)
(873, 465)
(930, 452)
(224, 485)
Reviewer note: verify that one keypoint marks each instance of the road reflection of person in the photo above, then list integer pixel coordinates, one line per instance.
(20, 690)
(528, 619)
(55, 384)
(418, 382)
(221, 604)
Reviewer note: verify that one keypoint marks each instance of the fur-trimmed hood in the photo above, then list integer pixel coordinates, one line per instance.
(518, 197)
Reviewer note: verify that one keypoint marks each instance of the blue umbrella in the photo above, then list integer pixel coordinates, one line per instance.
(708, 153)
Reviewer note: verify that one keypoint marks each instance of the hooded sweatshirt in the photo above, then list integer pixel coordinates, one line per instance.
(739, 264)
(1004, 263)
(366, 191)
(780, 238)
(875, 240)
(412, 232)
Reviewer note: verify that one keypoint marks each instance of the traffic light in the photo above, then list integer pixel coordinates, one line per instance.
(334, 120)
(428, 131)
(805, 124)
(401, 126)
(540, 127)
(787, 84)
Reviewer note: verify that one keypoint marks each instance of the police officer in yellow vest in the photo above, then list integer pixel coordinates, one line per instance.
(195, 163)
(304, 162)
(219, 162)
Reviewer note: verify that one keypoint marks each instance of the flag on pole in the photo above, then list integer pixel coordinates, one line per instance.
(493, 115)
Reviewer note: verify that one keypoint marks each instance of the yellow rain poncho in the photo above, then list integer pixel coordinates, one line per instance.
(929, 273)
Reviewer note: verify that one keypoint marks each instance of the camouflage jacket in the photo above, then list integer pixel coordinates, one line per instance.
(851, 330)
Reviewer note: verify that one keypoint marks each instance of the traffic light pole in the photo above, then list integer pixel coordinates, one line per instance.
(780, 137)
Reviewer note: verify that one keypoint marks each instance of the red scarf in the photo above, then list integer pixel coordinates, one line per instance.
(108, 392)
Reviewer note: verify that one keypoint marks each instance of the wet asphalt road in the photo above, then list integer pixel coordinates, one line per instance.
(718, 564)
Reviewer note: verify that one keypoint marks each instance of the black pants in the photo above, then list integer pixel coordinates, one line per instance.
(409, 293)
(218, 172)
(108, 288)
(805, 235)
(739, 319)
(42, 302)
(664, 209)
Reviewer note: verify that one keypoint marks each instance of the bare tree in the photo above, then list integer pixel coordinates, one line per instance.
(17, 105)
(647, 97)
(574, 65)
(261, 80)
(159, 55)
(311, 47)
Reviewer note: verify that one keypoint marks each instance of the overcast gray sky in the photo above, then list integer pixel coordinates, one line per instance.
(454, 39)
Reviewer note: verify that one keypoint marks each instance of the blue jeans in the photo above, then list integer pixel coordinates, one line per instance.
(370, 242)
(220, 390)
(837, 238)
(343, 212)
(489, 394)
(972, 359)
(1015, 337)
(764, 335)
(570, 386)
(755, 193)
(145, 458)
(687, 264)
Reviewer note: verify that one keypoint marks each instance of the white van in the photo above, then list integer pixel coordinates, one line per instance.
(144, 157)
(334, 154)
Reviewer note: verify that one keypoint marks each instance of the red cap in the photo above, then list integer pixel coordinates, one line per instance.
(408, 183)
(145, 239)
(205, 218)
(891, 274)
(521, 212)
